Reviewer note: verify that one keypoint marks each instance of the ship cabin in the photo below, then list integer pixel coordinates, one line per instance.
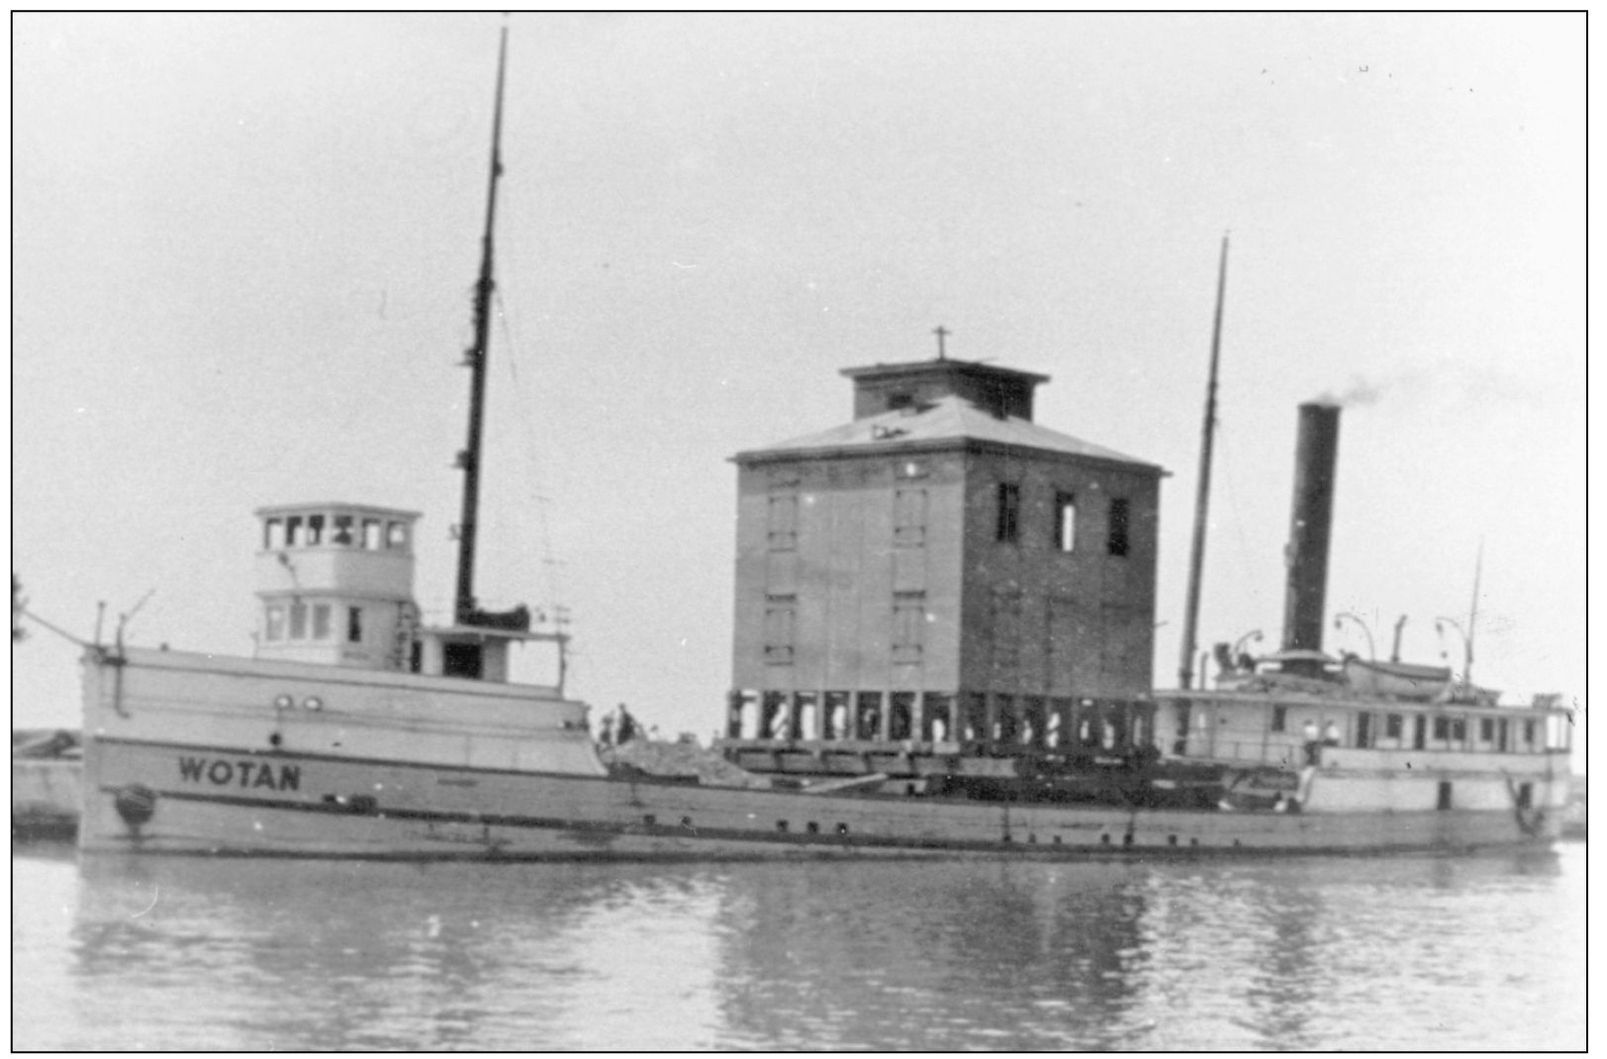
(335, 587)
(938, 583)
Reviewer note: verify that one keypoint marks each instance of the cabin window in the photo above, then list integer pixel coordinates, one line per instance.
(1504, 731)
(1032, 728)
(1280, 718)
(1419, 730)
(909, 616)
(1528, 733)
(780, 615)
(396, 535)
(1444, 801)
(354, 624)
(273, 534)
(909, 517)
(1525, 795)
(805, 716)
(1393, 725)
(1487, 729)
(298, 621)
(1364, 730)
(274, 626)
(371, 538)
(315, 529)
(343, 530)
(773, 715)
(1116, 541)
(899, 400)
(783, 524)
(293, 531)
(1009, 513)
(320, 621)
(1066, 521)
(1442, 728)
(1459, 730)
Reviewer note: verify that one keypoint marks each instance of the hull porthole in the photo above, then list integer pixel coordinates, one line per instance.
(136, 804)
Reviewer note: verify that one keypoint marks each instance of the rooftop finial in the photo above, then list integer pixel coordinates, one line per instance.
(941, 332)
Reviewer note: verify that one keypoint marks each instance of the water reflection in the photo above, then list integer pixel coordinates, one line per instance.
(202, 954)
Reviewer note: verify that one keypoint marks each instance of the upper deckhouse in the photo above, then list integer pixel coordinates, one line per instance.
(335, 581)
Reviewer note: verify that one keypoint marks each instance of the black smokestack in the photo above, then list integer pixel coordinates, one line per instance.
(1309, 526)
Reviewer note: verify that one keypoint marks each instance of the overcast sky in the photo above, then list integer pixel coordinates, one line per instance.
(243, 248)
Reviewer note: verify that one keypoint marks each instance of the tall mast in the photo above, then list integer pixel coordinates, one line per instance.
(1473, 620)
(1185, 669)
(475, 361)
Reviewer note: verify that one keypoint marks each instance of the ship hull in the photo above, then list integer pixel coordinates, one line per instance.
(212, 800)
(199, 754)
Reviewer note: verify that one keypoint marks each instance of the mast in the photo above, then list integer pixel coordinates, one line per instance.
(1473, 620)
(475, 361)
(1185, 671)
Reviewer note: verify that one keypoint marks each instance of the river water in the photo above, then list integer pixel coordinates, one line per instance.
(1318, 953)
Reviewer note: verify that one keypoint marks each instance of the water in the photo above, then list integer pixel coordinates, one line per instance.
(181, 954)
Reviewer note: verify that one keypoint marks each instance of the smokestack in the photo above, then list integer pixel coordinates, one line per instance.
(1309, 526)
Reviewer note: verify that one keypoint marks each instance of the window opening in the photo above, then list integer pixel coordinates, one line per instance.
(274, 627)
(1487, 729)
(1280, 718)
(1009, 511)
(909, 517)
(1364, 730)
(1117, 542)
(293, 531)
(371, 534)
(298, 621)
(1419, 732)
(320, 621)
(901, 714)
(868, 722)
(1525, 795)
(462, 660)
(1393, 726)
(273, 534)
(1444, 801)
(343, 530)
(783, 527)
(396, 535)
(909, 618)
(354, 624)
(780, 617)
(315, 529)
(1066, 521)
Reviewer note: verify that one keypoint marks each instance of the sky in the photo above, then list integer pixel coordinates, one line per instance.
(243, 248)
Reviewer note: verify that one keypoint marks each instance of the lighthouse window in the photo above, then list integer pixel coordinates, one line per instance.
(354, 624)
(1116, 543)
(320, 621)
(343, 529)
(274, 627)
(1066, 521)
(298, 621)
(315, 529)
(371, 533)
(1009, 511)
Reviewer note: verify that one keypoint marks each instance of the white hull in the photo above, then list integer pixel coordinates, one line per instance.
(187, 754)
